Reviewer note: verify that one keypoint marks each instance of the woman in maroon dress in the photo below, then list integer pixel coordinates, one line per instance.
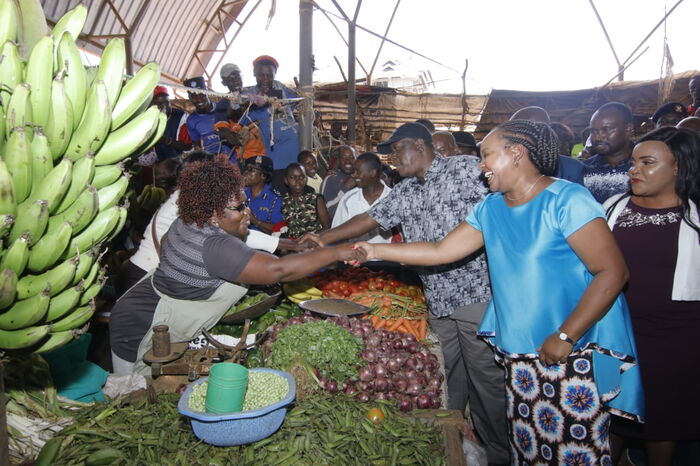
(657, 228)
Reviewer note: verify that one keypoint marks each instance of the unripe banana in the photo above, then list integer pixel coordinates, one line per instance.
(55, 185)
(123, 214)
(136, 91)
(7, 195)
(42, 162)
(92, 275)
(64, 302)
(50, 248)
(26, 312)
(98, 230)
(59, 125)
(57, 278)
(3, 139)
(90, 293)
(71, 22)
(31, 221)
(111, 69)
(80, 213)
(9, 19)
(18, 157)
(38, 75)
(110, 195)
(55, 341)
(16, 257)
(94, 126)
(11, 69)
(8, 287)
(19, 111)
(83, 171)
(106, 175)
(156, 135)
(23, 338)
(142, 198)
(85, 262)
(6, 222)
(75, 79)
(123, 142)
(33, 26)
(75, 319)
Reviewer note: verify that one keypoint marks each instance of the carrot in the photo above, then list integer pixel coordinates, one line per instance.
(423, 328)
(375, 321)
(413, 328)
(396, 324)
(405, 327)
(380, 323)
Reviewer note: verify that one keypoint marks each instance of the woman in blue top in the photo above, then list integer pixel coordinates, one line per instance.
(557, 321)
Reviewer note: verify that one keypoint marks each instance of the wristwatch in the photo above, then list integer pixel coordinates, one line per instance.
(564, 337)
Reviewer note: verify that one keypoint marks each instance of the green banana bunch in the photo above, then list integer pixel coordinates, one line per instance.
(8, 287)
(91, 293)
(7, 194)
(31, 221)
(9, 18)
(57, 278)
(107, 174)
(64, 302)
(111, 69)
(75, 79)
(18, 112)
(110, 195)
(18, 158)
(55, 185)
(26, 312)
(75, 319)
(98, 230)
(50, 248)
(92, 274)
(80, 213)
(94, 125)
(55, 341)
(11, 68)
(136, 93)
(59, 125)
(16, 257)
(42, 162)
(71, 22)
(38, 75)
(33, 24)
(124, 141)
(24, 337)
(83, 171)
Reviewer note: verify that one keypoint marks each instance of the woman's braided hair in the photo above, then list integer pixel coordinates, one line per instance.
(206, 188)
(539, 139)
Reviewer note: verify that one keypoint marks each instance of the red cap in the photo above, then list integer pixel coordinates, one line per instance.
(160, 90)
(266, 58)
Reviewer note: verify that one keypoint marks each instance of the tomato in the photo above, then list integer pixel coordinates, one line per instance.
(346, 292)
(388, 289)
(375, 415)
(372, 286)
(394, 283)
(379, 285)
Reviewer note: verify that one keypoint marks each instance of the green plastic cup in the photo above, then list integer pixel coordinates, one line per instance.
(226, 388)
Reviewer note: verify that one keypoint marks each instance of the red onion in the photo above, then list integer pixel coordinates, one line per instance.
(350, 390)
(431, 392)
(435, 403)
(380, 370)
(363, 397)
(411, 374)
(410, 363)
(380, 396)
(434, 384)
(398, 344)
(404, 404)
(366, 373)
(413, 347)
(400, 385)
(381, 384)
(419, 365)
(373, 340)
(393, 365)
(410, 338)
(414, 388)
(368, 355)
(332, 386)
(391, 395)
(423, 401)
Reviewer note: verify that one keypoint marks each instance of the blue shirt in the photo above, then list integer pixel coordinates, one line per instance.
(603, 180)
(267, 207)
(537, 280)
(282, 144)
(570, 169)
(201, 128)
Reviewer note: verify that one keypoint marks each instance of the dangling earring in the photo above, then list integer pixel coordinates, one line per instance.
(215, 223)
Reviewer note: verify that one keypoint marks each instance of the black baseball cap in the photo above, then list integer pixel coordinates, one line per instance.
(195, 83)
(464, 139)
(670, 107)
(407, 130)
(261, 162)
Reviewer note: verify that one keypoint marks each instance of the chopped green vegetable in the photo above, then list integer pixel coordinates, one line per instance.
(326, 346)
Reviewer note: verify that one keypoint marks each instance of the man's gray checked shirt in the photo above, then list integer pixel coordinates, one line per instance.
(428, 212)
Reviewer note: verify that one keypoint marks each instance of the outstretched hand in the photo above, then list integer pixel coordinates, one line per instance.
(350, 254)
(367, 250)
(308, 238)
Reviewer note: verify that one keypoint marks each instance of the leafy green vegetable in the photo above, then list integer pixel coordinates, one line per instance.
(326, 346)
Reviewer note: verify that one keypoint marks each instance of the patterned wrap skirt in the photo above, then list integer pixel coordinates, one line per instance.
(555, 412)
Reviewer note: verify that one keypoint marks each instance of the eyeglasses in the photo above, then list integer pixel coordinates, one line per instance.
(240, 207)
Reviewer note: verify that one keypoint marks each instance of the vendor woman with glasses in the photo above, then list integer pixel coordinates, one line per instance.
(205, 266)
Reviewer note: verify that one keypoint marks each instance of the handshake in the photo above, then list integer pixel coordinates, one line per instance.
(350, 253)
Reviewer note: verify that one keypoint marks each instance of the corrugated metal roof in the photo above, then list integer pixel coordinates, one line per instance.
(180, 36)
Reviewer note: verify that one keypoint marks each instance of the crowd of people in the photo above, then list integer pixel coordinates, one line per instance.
(562, 278)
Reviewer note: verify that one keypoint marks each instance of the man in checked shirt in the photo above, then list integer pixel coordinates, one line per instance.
(436, 195)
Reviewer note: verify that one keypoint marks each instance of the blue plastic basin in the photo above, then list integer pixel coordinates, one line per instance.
(239, 428)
